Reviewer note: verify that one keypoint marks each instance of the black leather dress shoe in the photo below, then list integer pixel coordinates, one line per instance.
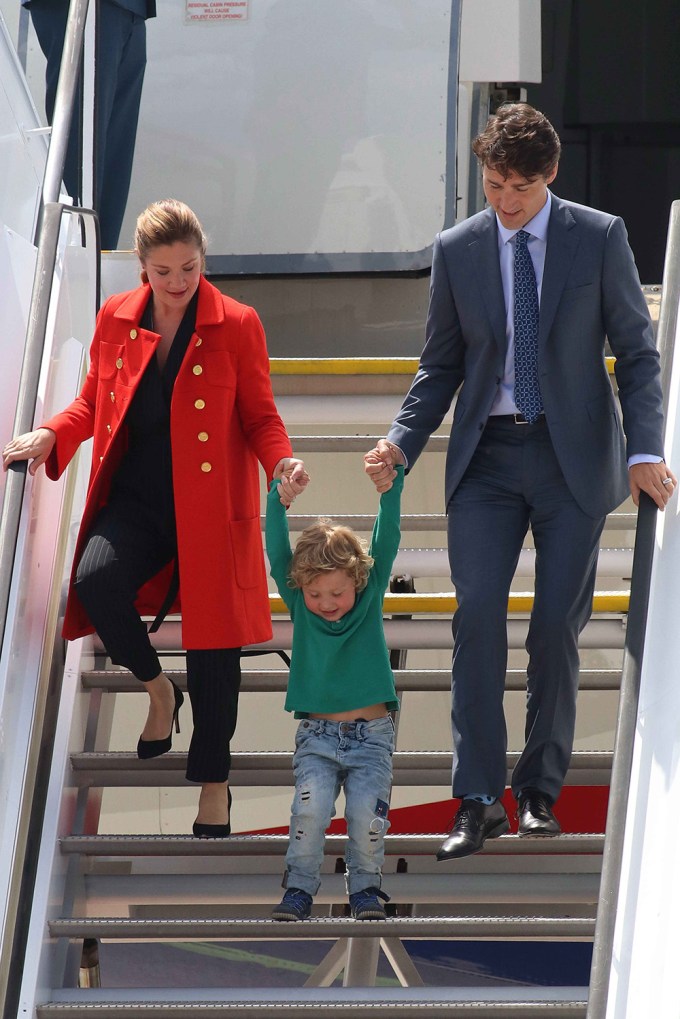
(535, 814)
(475, 822)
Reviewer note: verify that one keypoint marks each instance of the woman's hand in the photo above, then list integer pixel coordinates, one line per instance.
(293, 477)
(35, 446)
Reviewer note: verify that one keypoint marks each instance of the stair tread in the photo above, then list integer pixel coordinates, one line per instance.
(179, 845)
(258, 759)
(527, 1003)
(276, 680)
(481, 926)
(273, 768)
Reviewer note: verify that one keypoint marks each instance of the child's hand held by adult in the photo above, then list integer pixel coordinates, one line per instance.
(293, 479)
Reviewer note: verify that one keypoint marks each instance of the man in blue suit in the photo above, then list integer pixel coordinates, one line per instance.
(120, 66)
(536, 442)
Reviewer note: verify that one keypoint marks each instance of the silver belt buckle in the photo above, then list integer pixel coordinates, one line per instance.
(520, 419)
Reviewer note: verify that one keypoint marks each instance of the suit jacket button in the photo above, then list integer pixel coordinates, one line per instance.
(108, 429)
(119, 362)
(197, 369)
(199, 404)
(202, 436)
(113, 397)
(206, 467)
(133, 334)
(199, 341)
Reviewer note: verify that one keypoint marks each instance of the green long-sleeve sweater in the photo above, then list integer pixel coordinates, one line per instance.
(343, 665)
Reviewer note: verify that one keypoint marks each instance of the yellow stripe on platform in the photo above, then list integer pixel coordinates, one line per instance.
(428, 604)
(343, 365)
(355, 365)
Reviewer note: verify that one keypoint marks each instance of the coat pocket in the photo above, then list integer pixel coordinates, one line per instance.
(246, 544)
(113, 362)
(601, 407)
(219, 368)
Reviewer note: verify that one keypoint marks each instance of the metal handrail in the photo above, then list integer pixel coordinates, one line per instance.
(24, 863)
(46, 240)
(28, 388)
(48, 225)
(632, 662)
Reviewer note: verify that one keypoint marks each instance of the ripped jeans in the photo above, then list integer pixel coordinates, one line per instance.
(330, 756)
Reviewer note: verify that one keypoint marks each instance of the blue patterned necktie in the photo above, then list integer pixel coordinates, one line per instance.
(527, 391)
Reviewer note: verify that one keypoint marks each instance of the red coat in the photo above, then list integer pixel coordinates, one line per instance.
(222, 421)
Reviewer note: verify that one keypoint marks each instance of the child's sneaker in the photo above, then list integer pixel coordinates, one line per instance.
(366, 904)
(295, 905)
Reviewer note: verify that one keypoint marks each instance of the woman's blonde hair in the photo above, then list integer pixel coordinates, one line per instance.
(325, 546)
(167, 222)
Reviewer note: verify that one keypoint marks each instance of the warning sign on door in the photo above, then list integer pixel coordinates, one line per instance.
(217, 10)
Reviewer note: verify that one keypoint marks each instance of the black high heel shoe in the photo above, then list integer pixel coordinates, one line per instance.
(214, 831)
(148, 748)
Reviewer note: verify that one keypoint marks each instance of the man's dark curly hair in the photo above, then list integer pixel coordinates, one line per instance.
(518, 139)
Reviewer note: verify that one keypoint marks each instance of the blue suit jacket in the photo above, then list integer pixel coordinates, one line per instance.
(591, 290)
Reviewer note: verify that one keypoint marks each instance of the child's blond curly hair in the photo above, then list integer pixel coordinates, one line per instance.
(325, 546)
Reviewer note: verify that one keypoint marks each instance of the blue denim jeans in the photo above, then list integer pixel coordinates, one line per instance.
(330, 756)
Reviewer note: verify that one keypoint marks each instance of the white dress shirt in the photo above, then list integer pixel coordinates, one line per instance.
(537, 228)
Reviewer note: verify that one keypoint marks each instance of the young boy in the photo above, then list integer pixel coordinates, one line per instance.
(342, 688)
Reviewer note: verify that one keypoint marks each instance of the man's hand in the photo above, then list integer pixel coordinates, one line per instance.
(654, 479)
(293, 477)
(379, 464)
(35, 446)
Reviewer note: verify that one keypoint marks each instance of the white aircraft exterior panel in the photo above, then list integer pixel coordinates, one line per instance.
(310, 128)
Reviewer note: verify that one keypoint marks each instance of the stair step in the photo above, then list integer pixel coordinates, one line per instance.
(276, 680)
(273, 768)
(487, 928)
(425, 521)
(276, 845)
(128, 888)
(343, 1003)
(605, 631)
(336, 443)
(533, 1003)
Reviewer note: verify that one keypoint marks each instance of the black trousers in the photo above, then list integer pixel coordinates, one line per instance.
(121, 62)
(125, 548)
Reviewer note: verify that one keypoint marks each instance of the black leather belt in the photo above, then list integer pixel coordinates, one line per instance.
(516, 419)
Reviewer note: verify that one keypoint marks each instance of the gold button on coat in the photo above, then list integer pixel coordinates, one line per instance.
(119, 362)
(202, 436)
(113, 397)
(108, 429)
(133, 334)
(206, 467)
(199, 404)
(197, 369)
(199, 341)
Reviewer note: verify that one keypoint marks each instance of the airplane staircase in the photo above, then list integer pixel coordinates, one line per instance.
(157, 888)
(91, 888)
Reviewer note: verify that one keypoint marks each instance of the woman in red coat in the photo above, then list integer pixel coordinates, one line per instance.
(179, 402)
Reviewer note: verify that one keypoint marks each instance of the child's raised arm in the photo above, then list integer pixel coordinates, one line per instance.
(386, 530)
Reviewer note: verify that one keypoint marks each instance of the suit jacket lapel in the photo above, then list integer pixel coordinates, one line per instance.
(563, 242)
(483, 250)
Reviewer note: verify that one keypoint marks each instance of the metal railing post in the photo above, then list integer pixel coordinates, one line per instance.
(632, 663)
